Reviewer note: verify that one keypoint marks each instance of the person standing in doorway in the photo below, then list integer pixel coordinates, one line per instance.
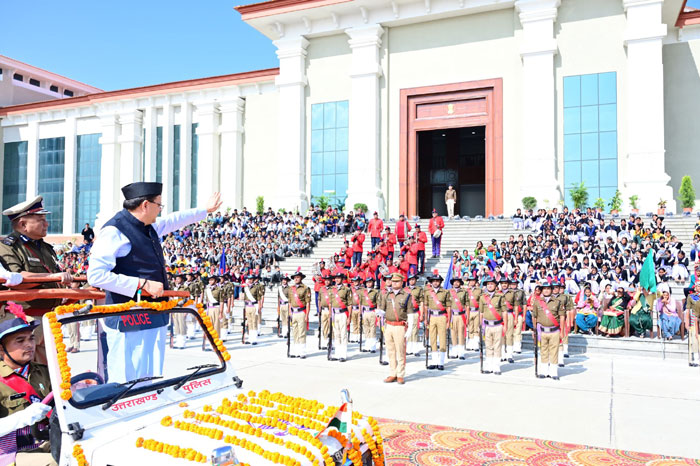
(450, 200)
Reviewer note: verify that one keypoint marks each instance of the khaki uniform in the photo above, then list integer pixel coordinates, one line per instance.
(340, 302)
(355, 313)
(692, 307)
(395, 307)
(567, 304)
(368, 303)
(492, 307)
(299, 297)
(325, 321)
(437, 316)
(283, 303)
(257, 293)
(459, 309)
(414, 315)
(520, 307)
(547, 331)
(472, 299)
(180, 319)
(212, 299)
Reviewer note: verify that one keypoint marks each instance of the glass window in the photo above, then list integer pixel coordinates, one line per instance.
(14, 187)
(51, 177)
(159, 154)
(329, 151)
(176, 168)
(590, 134)
(87, 180)
(194, 153)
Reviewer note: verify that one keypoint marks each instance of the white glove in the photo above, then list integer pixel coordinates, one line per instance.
(12, 278)
(34, 413)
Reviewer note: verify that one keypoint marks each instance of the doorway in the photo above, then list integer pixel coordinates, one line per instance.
(456, 157)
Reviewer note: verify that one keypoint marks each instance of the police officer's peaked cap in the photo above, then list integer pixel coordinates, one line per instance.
(142, 189)
(34, 206)
(396, 277)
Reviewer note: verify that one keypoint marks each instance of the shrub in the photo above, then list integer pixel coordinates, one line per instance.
(616, 201)
(687, 193)
(260, 204)
(322, 202)
(360, 206)
(599, 203)
(529, 202)
(579, 195)
(633, 201)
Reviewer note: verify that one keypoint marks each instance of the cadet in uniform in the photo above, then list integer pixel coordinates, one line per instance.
(437, 307)
(473, 293)
(253, 296)
(492, 307)
(23, 385)
(355, 312)
(415, 307)
(508, 319)
(548, 317)
(325, 303)
(520, 304)
(394, 306)
(25, 251)
(180, 319)
(283, 306)
(458, 319)
(214, 303)
(692, 308)
(340, 299)
(567, 305)
(299, 298)
(368, 302)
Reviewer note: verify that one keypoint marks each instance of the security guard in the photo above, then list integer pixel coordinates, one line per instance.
(340, 300)
(355, 312)
(394, 306)
(213, 300)
(299, 298)
(369, 297)
(283, 306)
(179, 319)
(508, 319)
(692, 309)
(253, 296)
(437, 307)
(548, 317)
(23, 385)
(473, 293)
(415, 309)
(492, 307)
(458, 319)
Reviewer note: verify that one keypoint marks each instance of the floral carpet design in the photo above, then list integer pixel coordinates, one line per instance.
(409, 443)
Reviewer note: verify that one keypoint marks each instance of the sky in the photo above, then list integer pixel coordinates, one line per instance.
(130, 43)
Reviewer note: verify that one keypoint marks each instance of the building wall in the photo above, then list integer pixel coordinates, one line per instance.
(453, 50)
(682, 104)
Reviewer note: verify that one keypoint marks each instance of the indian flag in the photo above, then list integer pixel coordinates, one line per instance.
(342, 419)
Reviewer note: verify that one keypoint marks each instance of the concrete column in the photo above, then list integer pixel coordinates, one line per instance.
(539, 161)
(110, 195)
(130, 146)
(185, 149)
(32, 159)
(167, 173)
(150, 124)
(208, 157)
(69, 182)
(231, 159)
(364, 167)
(645, 173)
(291, 147)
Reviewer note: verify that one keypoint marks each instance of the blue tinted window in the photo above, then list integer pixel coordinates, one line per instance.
(87, 180)
(194, 153)
(176, 168)
(14, 182)
(51, 170)
(590, 134)
(329, 151)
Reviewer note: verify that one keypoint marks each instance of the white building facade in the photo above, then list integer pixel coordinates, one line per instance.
(386, 103)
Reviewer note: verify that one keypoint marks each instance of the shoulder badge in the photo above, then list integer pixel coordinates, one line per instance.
(9, 240)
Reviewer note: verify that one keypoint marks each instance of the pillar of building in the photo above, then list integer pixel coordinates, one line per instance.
(231, 131)
(291, 83)
(32, 159)
(150, 122)
(185, 151)
(109, 183)
(364, 167)
(167, 158)
(208, 156)
(130, 149)
(645, 173)
(69, 175)
(539, 162)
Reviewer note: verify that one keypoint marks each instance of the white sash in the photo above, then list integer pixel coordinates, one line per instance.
(283, 298)
(210, 296)
(249, 296)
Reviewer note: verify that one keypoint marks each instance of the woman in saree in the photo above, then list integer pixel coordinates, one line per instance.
(640, 314)
(613, 321)
(587, 311)
(669, 314)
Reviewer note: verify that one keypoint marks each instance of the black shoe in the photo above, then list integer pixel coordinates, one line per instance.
(293, 356)
(555, 377)
(561, 365)
(510, 361)
(281, 336)
(247, 343)
(409, 354)
(302, 357)
(333, 359)
(441, 368)
(497, 373)
(566, 355)
(518, 352)
(324, 347)
(384, 363)
(540, 376)
(432, 368)
(255, 343)
(452, 357)
(462, 358)
(341, 359)
(486, 372)
(373, 351)
(417, 355)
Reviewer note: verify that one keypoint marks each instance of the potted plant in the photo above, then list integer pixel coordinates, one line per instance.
(361, 207)
(616, 202)
(599, 204)
(259, 205)
(529, 202)
(633, 202)
(662, 207)
(687, 193)
(579, 195)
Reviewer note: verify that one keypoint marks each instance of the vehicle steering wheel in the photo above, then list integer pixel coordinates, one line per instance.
(87, 376)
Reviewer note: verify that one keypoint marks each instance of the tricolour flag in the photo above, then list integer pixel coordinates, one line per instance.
(342, 419)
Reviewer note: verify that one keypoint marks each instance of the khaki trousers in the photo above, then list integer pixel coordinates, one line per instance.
(340, 328)
(284, 315)
(450, 207)
(509, 319)
(299, 327)
(549, 347)
(180, 323)
(355, 316)
(74, 335)
(693, 335)
(438, 330)
(325, 322)
(251, 315)
(214, 313)
(493, 336)
(395, 340)
(518, 331)
(569, 325)
(413, 324)
(457, 330)
(473, 325)
(34, 459)
(369, 325)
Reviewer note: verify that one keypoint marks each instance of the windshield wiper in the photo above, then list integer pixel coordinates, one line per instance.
(190, 376)
(129, 385)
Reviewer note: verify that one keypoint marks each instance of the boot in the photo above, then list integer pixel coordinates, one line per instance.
(302, 350)
(441, 364)
(694, 358)
(504, 354)
(487, 366)
(566, 350)
(462, 352)
(518, 347)
(509, 354)
(223, 335)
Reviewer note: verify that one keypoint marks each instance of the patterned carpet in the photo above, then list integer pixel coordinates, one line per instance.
(427, 445)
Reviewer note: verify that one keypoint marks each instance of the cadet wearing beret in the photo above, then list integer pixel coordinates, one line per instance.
(395, 308)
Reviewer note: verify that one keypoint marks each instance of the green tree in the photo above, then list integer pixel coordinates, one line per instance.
(579, 195)
(687, 193)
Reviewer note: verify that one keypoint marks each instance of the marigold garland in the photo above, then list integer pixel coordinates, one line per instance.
(79, 455)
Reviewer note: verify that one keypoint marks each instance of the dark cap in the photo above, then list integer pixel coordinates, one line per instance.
(142, 189)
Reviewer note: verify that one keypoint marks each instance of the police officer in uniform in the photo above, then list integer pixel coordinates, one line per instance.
(548, 317)
(415, 309)
(473, 293)
(180, 319)
(24, 251)
(368, 305)
(340, 300)
(492, 308)
(214, 303)
(253, 296)
(519, 302)
(458, 319)
(127, 257)
(355, 312)
(692, 309)
(508, 319)
(299, 298)
(283, 306)
(437, 307)
(324, 303)
(394, 306)
(567, 304)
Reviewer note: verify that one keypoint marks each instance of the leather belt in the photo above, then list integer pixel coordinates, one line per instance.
(251, 303)
(492, 323)
(339, 309)
(368, 309)
(458, 313)
(549, 329)
(437, 313)
(298, 309)
(396, 324)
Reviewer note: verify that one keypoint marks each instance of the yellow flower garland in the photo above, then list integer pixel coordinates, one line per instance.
(79, 455)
